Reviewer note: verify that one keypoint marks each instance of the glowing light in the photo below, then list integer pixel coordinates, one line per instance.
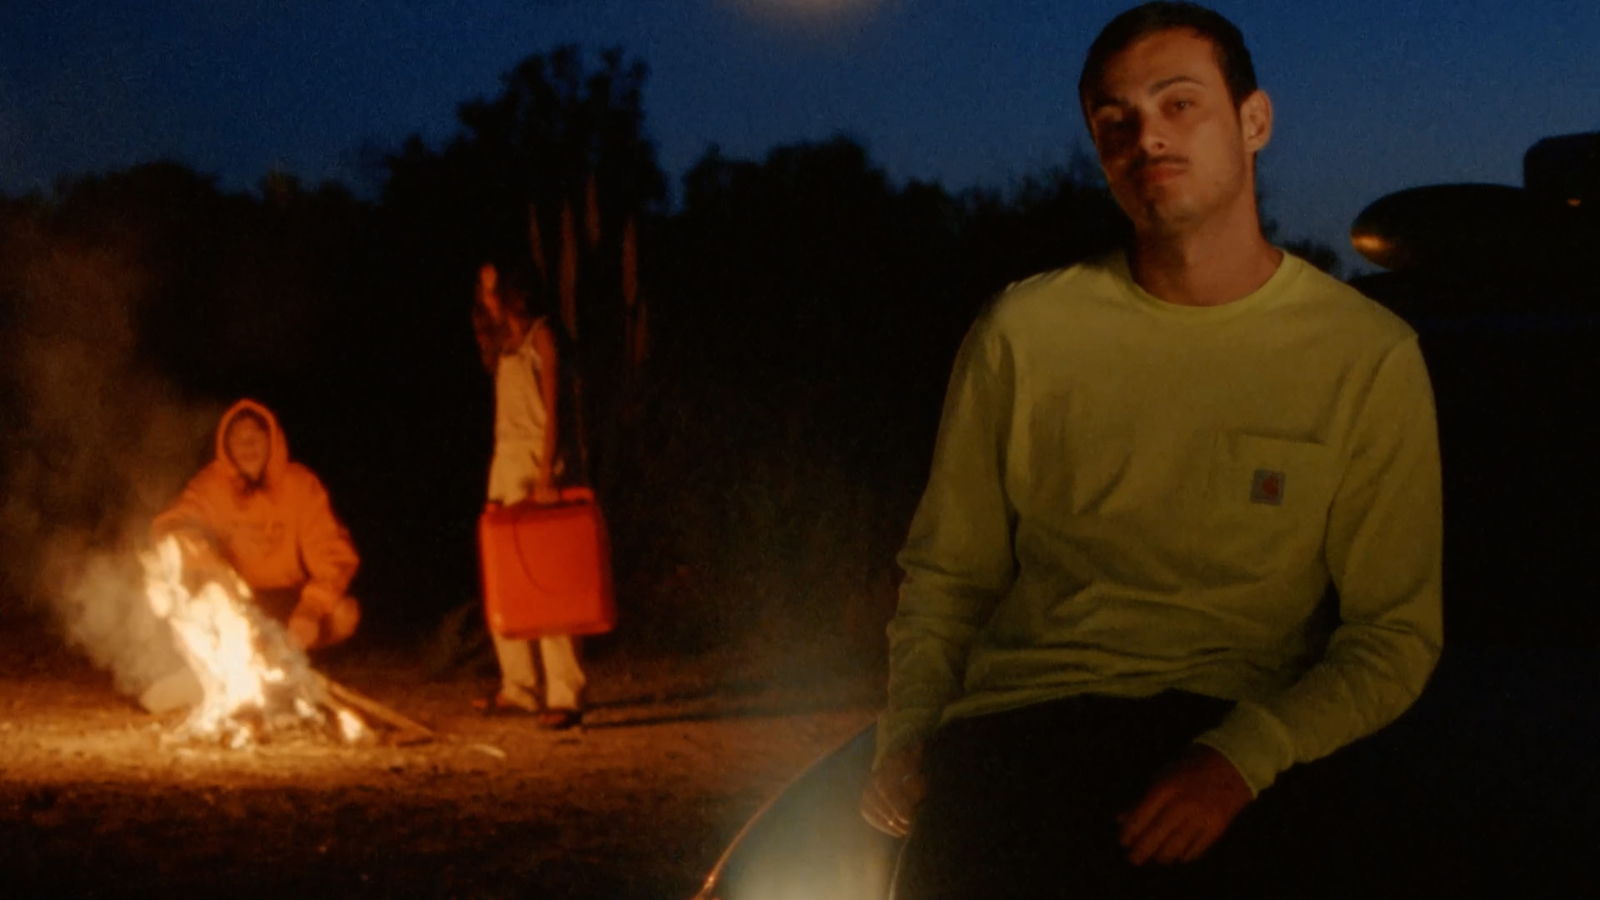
(251, 678)
(1574, 201)
(350, 727)
(806, 10)
(808, 7)
(1371, 246)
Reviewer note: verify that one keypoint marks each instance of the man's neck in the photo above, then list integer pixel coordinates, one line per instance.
(517, 333)
(1215, 264)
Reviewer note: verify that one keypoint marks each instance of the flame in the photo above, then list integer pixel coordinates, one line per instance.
(350, 727)
(251, 677)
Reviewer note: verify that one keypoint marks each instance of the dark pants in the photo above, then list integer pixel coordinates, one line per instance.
(1024, 804)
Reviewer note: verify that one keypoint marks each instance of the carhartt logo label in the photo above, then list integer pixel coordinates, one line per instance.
(1267, 488)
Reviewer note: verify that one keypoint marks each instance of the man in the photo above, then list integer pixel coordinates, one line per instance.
(270, 519)
(1113, 634)
(519, 346)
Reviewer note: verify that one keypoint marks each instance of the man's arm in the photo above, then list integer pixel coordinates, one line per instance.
(326, 552)
(549, 381)
(958, 561)
(192, 512)
(1384, 552)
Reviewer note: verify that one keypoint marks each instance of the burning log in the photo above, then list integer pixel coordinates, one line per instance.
(408, 731)
(253, 682)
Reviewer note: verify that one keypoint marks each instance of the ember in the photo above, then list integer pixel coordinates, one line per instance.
(254, 682)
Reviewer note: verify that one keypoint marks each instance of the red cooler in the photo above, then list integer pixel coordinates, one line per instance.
(547, 569)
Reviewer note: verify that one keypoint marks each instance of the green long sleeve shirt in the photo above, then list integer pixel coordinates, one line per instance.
(1129, 496)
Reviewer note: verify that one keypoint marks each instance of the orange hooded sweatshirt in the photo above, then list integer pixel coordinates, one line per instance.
(280, 533)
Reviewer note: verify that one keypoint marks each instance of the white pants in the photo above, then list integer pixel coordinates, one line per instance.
(519, 682)
(510, 480)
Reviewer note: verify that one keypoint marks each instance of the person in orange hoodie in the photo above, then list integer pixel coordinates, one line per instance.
(270, 519)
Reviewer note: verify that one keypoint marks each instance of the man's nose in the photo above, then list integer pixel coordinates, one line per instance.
(1152, 137)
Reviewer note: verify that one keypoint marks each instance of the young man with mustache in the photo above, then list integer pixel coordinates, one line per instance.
(1116, 630)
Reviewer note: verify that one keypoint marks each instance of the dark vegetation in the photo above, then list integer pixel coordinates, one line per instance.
(759, 467)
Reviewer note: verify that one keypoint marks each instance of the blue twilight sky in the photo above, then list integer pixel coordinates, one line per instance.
(1371, 95)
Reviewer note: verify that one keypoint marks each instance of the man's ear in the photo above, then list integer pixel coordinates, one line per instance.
(1255, 120)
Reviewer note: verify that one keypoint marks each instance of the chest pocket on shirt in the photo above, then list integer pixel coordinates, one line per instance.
(1268, 501)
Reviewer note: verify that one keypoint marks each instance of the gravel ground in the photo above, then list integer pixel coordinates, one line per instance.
(97, 799)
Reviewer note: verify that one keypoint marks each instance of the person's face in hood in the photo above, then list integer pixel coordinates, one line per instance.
(248, 446)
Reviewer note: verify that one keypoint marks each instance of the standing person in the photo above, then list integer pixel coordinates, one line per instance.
(270, 519)
(520, 348)
(1115, 631)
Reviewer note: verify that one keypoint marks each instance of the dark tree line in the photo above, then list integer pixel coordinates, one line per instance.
(803, 310)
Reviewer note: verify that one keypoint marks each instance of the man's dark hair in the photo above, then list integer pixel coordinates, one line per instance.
(521, 290)
(1142, 21)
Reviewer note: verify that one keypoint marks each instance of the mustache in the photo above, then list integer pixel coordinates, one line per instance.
(1145, 162)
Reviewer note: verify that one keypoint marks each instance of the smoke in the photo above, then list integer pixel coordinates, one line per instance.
(96, 445)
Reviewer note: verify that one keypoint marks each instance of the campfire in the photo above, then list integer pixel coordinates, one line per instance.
(255, 684)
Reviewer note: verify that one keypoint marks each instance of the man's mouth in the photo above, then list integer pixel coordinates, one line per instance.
(1159, 170)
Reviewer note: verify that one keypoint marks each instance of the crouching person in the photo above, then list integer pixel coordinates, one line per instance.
(271, 521)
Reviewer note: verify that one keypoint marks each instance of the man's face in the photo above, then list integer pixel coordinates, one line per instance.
(510, 328)
(489, 292)
(248, 445)
(1175, 149)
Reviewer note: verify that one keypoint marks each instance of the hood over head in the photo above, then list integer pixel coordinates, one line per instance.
(277, 446)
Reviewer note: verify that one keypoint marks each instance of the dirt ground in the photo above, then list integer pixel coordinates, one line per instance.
(1488, 785)
(97, 800)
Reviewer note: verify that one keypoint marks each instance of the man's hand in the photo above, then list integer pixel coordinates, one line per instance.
(1186, 810)
(891, 797)
(540, 488)
(304, 631)
(317, 603)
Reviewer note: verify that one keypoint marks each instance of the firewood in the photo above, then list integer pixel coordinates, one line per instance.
(411, 731)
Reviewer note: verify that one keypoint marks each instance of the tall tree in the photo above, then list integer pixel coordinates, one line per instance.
(555, 125)
(553, 170)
